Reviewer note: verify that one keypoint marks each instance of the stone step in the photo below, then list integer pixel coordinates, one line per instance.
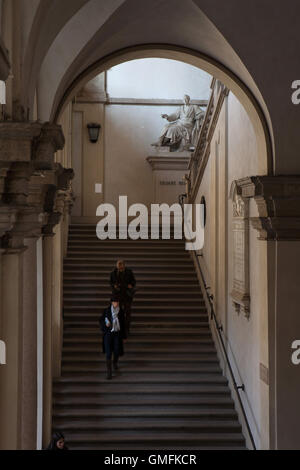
(81, 276)
(158, 424)
(165, 252)
(70, 369)
(71, 401)
(87, 349)
(148, 412)
(138, 299)
(144, 447)
(89, 341)
(84, 320)
(142, 378)
(154, 295)
(115, 244)
(131, 438)
(140, 333)
(137, 262)
(130, 256)
(144, 359)
(128, 390)
(196, 308)
(147, 284)
(188, 315)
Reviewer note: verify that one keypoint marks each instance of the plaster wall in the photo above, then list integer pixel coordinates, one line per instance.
(127, 130)
(234, 155)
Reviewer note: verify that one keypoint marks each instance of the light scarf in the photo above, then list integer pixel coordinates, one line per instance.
(115, 319)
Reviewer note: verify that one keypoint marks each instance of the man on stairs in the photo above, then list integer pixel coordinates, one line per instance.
(112, 324)
(123, 284)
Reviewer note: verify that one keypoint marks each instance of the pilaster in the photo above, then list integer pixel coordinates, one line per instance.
(33, 189)
(278, 224)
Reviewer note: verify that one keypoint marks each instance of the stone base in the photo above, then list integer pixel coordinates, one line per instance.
(169, 171)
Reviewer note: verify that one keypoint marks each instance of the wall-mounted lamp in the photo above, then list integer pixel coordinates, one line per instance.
(94, 131)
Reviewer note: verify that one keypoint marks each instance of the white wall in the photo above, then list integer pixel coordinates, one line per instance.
(130, 129)
(127, 129)
(157, 78)
(234, 155)
(129, 132)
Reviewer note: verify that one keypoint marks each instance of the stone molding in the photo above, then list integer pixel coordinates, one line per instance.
(30, 182)
(30, 142)
(103, 98)
(201, 154)
(278, 203)
(165, 161)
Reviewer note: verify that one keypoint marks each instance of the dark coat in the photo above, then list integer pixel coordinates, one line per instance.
(107, 330)
(122, 280)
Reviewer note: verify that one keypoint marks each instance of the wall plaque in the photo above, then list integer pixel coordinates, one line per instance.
(240, 232)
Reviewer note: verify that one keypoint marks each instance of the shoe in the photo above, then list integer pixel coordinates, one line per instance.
(109, 371)
(115, 366)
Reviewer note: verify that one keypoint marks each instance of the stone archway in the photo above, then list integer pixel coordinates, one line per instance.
(209, 65)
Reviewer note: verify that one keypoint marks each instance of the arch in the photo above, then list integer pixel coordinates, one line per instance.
(189, 56)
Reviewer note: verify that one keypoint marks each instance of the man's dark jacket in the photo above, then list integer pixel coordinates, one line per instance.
(107, 330)
(122, 279)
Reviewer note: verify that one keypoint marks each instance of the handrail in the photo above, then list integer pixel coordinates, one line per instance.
(219, 329)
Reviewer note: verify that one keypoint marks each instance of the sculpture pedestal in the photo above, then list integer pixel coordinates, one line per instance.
(169, 169)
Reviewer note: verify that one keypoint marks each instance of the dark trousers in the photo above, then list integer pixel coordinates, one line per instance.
(111, 346)
(125, 304)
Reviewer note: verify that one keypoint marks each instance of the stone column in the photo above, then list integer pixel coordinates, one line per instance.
(57, 292)
(29, 389)
(278, 225)
(48, 339)
(11, 406)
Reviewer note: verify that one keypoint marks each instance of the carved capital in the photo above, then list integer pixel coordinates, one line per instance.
(278, 203)
(33, 188)
(30, 141)
(50, 140)
(16, 139)
(56, 195)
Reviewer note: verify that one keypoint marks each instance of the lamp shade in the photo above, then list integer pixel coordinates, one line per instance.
(94, 131)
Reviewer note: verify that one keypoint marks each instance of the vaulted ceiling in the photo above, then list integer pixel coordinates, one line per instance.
(62, 40)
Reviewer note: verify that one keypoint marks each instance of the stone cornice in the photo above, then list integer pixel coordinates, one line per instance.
(201, 155)
(104, 99)
(169, 162)
(30, 141)
(278, 203)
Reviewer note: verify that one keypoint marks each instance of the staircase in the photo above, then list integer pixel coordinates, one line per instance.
(170, 392)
